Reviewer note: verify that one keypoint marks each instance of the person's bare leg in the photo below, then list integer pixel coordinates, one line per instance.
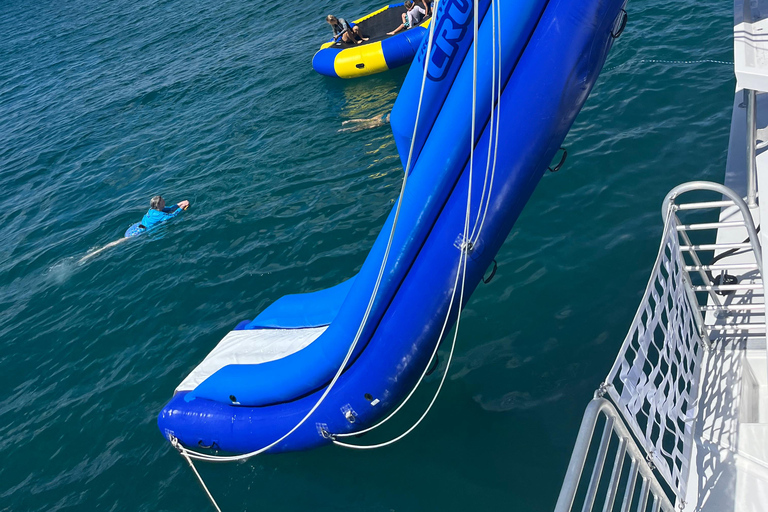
(398, 29)
(356, 30)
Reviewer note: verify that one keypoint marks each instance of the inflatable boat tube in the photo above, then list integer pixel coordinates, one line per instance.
(380, 53)
(261, 380)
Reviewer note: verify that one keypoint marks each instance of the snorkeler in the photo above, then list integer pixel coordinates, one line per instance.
(364, 124)
(157, 214)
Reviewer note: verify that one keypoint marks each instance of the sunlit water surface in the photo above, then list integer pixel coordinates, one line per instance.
(104, 104)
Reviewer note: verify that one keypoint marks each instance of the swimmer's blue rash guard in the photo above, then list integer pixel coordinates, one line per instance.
(154, 217)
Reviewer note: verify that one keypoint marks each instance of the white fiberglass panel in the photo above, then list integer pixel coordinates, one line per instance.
(253, 346)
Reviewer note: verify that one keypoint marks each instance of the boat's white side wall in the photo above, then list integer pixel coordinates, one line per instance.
(750, 44)
(730, 460)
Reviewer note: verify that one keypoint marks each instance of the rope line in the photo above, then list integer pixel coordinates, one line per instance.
(493, 102)
(461, 270)
(232, 458)
(661, 61)
(176, 444)
(455, 285)
(496, 137)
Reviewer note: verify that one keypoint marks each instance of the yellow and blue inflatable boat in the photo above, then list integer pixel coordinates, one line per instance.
(380, 53)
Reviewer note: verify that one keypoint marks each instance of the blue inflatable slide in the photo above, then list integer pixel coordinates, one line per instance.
(537, 61)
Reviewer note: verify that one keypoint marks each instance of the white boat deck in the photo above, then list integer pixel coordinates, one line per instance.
(730, 457)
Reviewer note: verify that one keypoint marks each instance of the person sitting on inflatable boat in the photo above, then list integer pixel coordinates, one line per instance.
(342, 29)
(411, 18)
(159, 213)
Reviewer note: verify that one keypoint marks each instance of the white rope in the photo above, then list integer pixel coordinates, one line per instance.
(661, 61)
(493, 100)
(496, 137)
(453, 292)
(232, 458)
(176, 444)
(460, 271)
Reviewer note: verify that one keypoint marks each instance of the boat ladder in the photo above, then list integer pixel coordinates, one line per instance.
(636, 436)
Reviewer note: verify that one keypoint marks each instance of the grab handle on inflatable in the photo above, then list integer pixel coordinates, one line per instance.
(561, 162)
(493, 273)
(622, 24)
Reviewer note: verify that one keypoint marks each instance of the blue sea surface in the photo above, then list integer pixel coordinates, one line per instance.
(105, 104)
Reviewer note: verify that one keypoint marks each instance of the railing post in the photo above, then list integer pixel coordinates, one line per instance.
(751, 97)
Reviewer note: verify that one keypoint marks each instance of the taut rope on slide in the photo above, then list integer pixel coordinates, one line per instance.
(427, 286)
(461, 269)
(190, 455)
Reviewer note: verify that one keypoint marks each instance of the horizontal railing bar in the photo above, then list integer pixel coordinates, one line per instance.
(703, 205)
(728, 287)
(760, 325)
(729, 329)
(715, 247)
(734, 307)
(711, 225)
(726, 266)
(740, 326)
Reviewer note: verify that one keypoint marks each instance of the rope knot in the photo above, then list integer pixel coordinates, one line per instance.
(649, 460)
(602, 390)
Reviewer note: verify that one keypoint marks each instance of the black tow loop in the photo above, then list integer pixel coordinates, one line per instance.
(434, 365)
(561, 162)
(725, 278)
(493, 273)
(622, 24)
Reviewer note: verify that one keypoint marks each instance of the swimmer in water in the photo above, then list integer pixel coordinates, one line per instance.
(156, 214)
(365, 124)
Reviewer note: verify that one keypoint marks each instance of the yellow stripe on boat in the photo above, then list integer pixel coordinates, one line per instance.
(360, 61)
(345, 60)
(371, 15)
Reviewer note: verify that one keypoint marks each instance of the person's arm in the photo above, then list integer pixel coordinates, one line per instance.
(177, 208)
(345, 26)
(426, 7)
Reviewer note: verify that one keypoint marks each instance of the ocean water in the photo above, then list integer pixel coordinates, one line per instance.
(105, 104)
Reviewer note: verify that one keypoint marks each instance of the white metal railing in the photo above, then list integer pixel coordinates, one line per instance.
(628, 463)
(654, 381)
(653, 386)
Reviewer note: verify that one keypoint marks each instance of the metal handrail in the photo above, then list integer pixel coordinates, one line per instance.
(614, 424)
(669, 203)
